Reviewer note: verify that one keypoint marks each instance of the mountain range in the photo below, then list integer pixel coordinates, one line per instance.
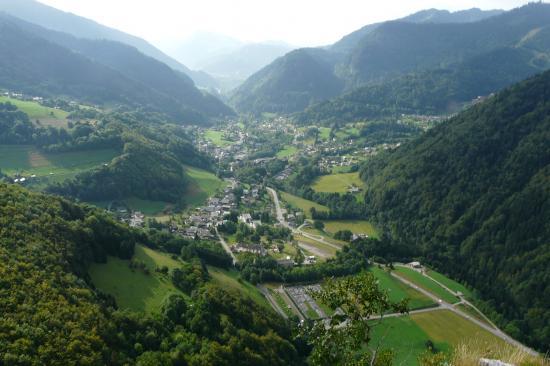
(381, 53)
(44, 62)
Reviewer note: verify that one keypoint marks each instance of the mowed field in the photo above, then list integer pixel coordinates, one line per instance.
(302, 204)
(28, 160)
(451, 284)
(287, 152)
(217, 138)
(46, 115)
(355, 226)
(204, 185)
(406, 336)
(133, 289)
(338, 183)
(426, 283)
(398, 291)
(230, 280)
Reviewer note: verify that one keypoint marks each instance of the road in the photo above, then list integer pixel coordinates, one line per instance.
(441, 304)
(226, 247)
(445, 305)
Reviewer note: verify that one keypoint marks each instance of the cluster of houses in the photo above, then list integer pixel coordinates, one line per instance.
(326, 164)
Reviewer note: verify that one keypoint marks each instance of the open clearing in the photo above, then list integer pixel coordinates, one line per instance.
(287, 152)
(230, 280)
(451, 284)
(426, 283)
(217, 138)
(338, 183)
(28, 160)
(446, 326)
(355, 226)
(302, 204)
(399, 291)
(133, 289)
(204, 184)
(46, 115)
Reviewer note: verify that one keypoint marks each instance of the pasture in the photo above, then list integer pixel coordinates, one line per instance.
(302, 204)
(204, 184)
(337, 183)
(355, 226)
(230, 280)
(451, 284)
(46, 115)
(287, 152)
(50, 167)
(426, 283)
(216, 137)
(133, 289)
(398, 291)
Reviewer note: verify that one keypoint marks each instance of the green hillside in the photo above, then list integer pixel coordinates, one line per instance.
(473, 194)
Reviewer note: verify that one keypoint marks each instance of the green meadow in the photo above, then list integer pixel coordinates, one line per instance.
(398, 291)
(46, 115)
(204, 184)
(133, 289)
(287, 152)
(51, 167)
(426, 283)
(217, 138)
(302, 204)
(230, 280)
(451, 284)
(338, 183)
(355, 226)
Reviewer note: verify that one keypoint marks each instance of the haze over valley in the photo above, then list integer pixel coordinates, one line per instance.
(313, 183)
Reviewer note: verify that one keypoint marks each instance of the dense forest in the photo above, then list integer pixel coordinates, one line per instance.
(434, 92)
(47, 63)
(46, 245)
(472, 197)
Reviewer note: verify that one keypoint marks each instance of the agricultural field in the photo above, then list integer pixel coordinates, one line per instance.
(451, 284)
(399, 291)
(426, 283)
(217, 138)
(446, 326)
(148, 208)
(50, 167)
(133, 289)
(302, 204)
(355, 226)
(287, 152)
(404, 337)
(205, 184)
(338, 183)
(230, 280)
(46, 115)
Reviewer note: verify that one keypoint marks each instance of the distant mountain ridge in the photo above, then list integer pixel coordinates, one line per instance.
(379, 53)
(51, 18)
(48, 63)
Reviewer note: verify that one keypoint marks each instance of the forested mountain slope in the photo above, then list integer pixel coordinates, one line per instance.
(42, 62)
(383, 52)
(53, 315)
(472, 197)
(433, 92)
(57, 20)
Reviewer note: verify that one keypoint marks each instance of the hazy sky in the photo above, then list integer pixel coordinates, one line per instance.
(299, 22)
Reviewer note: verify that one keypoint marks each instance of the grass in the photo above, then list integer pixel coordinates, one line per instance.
(230, 280)
(426, 283)
(287, 152)
(404, 337)
(473, 312)
(310, 313)
(338, 183)
(446, 326)
(316, 248)
(398, 291)
(324, 133)
(281, 302)
(302, 204)
(355, 226)
(134, 289)
(451, 284)
(47, 116)
(28, 160)
(204, 184)
(217, 138)
(148, 208)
